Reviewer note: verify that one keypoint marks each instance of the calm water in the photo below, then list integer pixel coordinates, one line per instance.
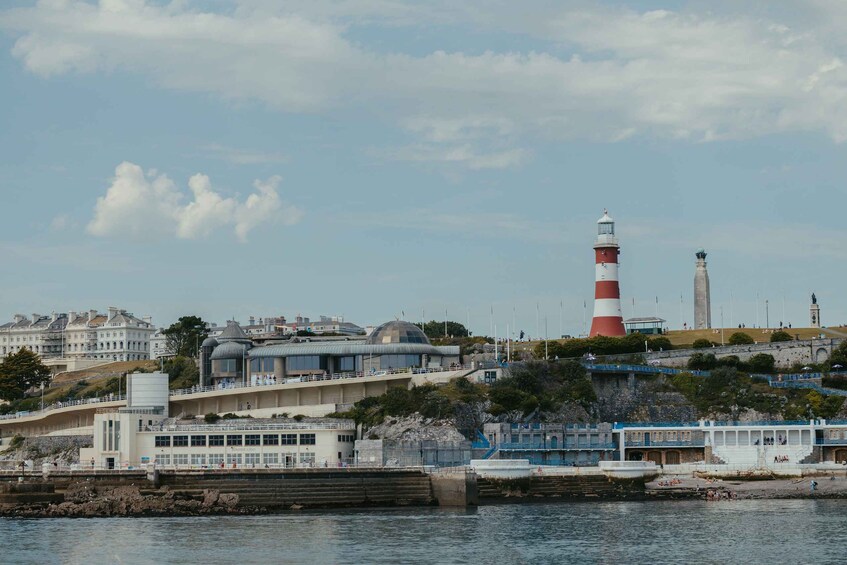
(795, 531)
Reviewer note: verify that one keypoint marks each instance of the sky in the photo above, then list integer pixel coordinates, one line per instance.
(380, 159)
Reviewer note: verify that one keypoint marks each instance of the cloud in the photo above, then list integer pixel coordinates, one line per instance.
(141, 205)
(596, 72)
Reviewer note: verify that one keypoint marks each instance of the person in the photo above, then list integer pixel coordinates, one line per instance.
(812, 486)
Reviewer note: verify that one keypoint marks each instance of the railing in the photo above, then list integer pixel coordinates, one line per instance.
(243, 426)
(831, 441)
(67, 404)
(623, 425)
(669, 443)
(811, 385)
(555, 427)
(651, 369)
(548, 447)
(317, 378)
(481, 441)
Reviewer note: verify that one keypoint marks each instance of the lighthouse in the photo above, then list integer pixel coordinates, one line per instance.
(607, 319)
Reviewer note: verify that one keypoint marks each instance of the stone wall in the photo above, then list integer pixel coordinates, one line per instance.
(785, 353)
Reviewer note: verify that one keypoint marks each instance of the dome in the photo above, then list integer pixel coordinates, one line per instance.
(233, 332)
(397, 332)
(229, 350)
(209, 342)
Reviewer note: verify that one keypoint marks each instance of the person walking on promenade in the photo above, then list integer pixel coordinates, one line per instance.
(812, 486)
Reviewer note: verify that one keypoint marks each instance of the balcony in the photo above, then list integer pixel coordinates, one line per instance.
(548, 447)
(669, 443)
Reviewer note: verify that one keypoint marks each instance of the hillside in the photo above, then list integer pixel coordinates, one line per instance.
(109, 369)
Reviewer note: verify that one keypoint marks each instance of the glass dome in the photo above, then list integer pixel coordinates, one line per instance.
(397, 332)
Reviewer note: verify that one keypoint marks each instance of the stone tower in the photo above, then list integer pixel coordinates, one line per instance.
(814, 313)
(702, 295)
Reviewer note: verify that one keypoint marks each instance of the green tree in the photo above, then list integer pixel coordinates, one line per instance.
(702, 362)
(761, 363)
(701, 343)
(183, 337)
(21, 371)
(434, 329)
(740, 338)
(182, 372)
(781, 336)
(660, 343)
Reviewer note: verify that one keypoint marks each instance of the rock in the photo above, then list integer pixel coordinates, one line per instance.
(296, 507)
(211, 497)
(228, 500)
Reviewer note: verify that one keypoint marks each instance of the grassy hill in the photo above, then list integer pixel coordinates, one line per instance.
(109, 369)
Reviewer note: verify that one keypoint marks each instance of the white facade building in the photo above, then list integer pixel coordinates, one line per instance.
(42, 334)
(123, 337)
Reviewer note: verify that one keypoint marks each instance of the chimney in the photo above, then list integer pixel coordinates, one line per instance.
(35, 317)
(112, 312)
(19, 318)
(147, 320)
(91, 315)
(71, 316)
(53, 317)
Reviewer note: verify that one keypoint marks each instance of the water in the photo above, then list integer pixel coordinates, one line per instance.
(769, 532)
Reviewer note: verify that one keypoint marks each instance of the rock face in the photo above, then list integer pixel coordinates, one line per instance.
(64, 450)
(85, 500)
(416, 428)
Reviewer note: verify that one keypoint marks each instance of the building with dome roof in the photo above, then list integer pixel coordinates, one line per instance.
(232, 358)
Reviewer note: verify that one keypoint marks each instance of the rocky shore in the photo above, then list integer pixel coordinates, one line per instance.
(722, 489)
(84, 500)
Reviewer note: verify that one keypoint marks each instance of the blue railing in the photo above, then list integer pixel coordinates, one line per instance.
(548, 447)
(831, 441)
(549, 427)
(649, 369)
(679, 443)
(765, 423)
(481, 441)
(811, 385)
(492, 450)
(622, 425)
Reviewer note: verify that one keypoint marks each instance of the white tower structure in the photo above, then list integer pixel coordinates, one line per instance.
(702, 294)
(608, 319)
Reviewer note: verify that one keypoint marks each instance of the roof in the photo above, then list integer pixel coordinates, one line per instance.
(347, 348)
(647, 320)
(232, 332)
(606, 219)
(397, 331)
(229, 350)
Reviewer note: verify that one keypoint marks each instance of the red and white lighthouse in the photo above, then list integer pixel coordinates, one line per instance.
(607, 319)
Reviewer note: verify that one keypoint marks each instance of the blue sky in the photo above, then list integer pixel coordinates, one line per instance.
(369, 158)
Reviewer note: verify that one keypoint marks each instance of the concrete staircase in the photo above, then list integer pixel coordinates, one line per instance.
(372, 489)
(761, 456)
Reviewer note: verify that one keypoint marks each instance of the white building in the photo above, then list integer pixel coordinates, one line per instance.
(123, 337)
(43, 335)
(142, 434)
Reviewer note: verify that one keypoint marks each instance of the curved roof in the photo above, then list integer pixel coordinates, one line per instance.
(397, 331)
(209, 342)
(345, 348)
(229, 350)
(233, 332)
(606, 219)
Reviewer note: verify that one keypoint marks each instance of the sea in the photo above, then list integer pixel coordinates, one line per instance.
(759, 531)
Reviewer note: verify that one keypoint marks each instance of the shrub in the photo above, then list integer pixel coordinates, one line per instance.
(659, 344)
(298, 417)
(730, 361)
(761, 363)
(740, 338)
(781, 336)
(702, 362)
(701, 343)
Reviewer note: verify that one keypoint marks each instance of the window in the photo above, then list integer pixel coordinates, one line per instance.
(346, 364)
(198, 459)
(215, 459)
(304, 363)
(307, 458)
(252, 439)
(345, 438)
(180, 441)
(163, 459)
(216, 440)
(227, 366)
(271, 458)
(233, 458)
(270, 439)
(181, 459)
(399, 361)
(198, 441)
(289, 439)
(162, 441)
(235, 440)
(251, 458)
(307, 439)
(262, 365)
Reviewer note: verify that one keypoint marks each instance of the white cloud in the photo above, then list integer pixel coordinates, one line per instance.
(597, 72)
(141, 205)
(243, 156)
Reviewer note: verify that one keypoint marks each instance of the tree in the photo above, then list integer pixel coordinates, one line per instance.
(761, 363)
(434, 329)
(184, 336)
(21, 371)
(702, 362)
(740, 338)
(182, 372)
(660, 343)
(701, 343)
(781, 336)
